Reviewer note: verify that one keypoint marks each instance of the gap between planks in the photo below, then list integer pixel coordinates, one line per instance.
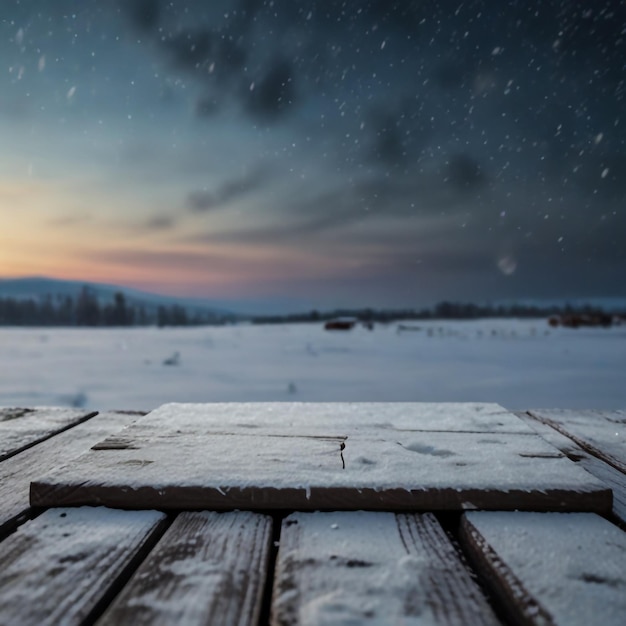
(604, 448)
(550, 568)
(47, 423)
(208, 568)
(17, 472)
(605, 472)
(66, 564)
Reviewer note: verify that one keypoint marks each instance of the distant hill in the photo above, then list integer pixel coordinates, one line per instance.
(240, 308)
(267, 309)
(40, 287)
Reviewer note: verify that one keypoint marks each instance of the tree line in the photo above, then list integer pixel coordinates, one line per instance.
(442, 311)
(87, 310)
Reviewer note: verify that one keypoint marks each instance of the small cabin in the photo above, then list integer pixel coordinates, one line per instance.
(341, 323)
(603, 320)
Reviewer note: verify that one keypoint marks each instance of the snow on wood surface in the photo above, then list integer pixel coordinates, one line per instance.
(21, 428)
(372, 568)
(17, 472)
(348, 417)
(608, 474)
(209, 568)
(174, 460)
(57, 568)
(552, 568)
(602, 433)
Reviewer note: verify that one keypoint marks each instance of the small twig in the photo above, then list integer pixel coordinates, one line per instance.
(342, 447)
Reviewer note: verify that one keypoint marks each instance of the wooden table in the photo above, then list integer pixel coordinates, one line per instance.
(312, 514)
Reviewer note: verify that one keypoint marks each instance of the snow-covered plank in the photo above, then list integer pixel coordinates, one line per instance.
(602, 433)
(22, 428)
(551, 568)
(60, 567)
(340, 417)
(209, 568)
(612, 477)
(17, 472)
(176, 466)
(372, 568)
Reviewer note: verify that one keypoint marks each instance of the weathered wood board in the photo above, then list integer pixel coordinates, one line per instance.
(350, 418)
(176, 464)
(60, 567)
(609, 475)
(551, 568)
(22, 428)
(602, 433)
(372, 568)
(209, 568)
(17, 472)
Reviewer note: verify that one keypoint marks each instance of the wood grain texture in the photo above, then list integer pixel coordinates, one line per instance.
(601, 433)
(23, 428)
(372, 568)
(209, 568)
(179, 463)
(347, 418)
(17, 472)
(612, 477)
(57, 568)
(551, 568)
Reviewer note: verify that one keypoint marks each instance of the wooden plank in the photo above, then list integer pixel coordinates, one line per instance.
(177, 466)
(372, 568)
(551, 568)
(209, 568)
(22, 428)
(17, 472)
(601, 433)
(612, 477)
(60, 567)
(348, 418)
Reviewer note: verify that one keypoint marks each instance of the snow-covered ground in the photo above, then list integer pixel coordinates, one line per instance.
(519, 364)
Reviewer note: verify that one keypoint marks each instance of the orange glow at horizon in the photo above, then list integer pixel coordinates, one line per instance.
(52, 229)
(35, 240)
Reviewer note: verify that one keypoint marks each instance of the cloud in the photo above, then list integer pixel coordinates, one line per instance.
(222, 265)
(464, 172)
(232, 58)
(217, 56)
(452, 257)
(204, 200)
(190, 49)
(65, 221)
(485, 118)
(167, 260)
(207, 106)
(160, 222)
(143, 14)
(275, 93)
(340, 212)
(289, 231)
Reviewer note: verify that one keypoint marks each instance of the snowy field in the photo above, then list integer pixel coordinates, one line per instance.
(519, 364)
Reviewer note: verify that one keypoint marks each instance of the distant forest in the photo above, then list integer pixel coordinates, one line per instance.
(87, 310)
(442, 311)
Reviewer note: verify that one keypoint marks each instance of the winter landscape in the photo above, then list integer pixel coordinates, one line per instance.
(518, 363)
(269, 157)
(280, 201)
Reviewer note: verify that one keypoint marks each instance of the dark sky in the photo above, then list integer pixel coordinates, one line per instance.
(326, 153)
